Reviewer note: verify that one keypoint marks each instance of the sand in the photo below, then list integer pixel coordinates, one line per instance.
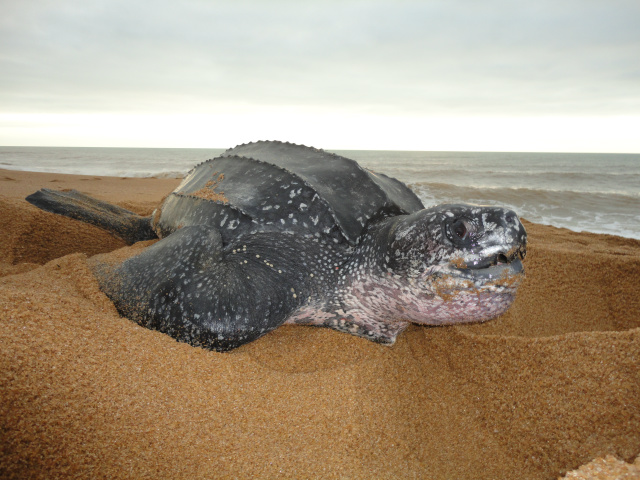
(548, 387)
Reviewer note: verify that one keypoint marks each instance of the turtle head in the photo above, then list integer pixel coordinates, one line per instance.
(449, 264)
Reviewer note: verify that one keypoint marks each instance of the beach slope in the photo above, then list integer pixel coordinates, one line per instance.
(547, 387)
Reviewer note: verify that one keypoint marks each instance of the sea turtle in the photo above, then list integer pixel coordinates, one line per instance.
(270, 233)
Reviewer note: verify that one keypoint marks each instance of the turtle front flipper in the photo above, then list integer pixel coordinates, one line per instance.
(191, 287)
(123, 223)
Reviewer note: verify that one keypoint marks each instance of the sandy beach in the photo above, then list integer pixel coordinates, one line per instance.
(551, 385)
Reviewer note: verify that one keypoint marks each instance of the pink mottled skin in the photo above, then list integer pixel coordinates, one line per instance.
(385, 307)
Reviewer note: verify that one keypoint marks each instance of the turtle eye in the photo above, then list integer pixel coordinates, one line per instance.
(461, 230)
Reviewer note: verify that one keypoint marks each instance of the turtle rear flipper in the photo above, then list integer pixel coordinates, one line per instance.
(123, 223)
(191, 287)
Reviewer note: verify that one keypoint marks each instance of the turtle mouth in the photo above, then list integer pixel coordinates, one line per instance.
(495, 266)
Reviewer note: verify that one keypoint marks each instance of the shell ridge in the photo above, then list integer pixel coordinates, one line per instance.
(279, 142)
(198, 166)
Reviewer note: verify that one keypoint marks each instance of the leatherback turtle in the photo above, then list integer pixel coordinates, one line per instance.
(270, 233)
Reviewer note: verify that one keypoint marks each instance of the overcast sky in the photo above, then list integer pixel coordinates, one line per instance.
(433, 75)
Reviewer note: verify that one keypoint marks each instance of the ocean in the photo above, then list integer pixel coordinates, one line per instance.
(591, 192)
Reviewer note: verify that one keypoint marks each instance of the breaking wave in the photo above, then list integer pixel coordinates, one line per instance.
(598, 212)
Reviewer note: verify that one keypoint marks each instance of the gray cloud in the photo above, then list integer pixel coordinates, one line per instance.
(428, 57)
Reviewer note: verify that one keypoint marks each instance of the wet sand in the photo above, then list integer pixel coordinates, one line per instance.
(540, 391)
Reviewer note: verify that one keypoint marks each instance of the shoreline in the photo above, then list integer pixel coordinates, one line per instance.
(549, 386)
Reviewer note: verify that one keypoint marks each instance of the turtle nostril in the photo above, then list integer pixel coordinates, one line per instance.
(501, 259)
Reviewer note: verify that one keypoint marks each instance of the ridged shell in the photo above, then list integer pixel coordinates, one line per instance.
(268, 186)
